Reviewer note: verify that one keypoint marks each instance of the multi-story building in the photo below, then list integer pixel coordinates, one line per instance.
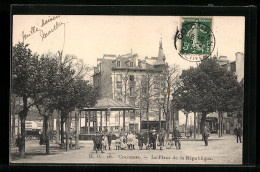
(137, 82)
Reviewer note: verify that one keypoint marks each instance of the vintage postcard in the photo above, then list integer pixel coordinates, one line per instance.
(118, 89)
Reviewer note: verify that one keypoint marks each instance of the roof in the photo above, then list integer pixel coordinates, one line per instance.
(214, 114)
(106, 104)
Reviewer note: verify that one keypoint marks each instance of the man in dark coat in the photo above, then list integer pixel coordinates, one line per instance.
(146, 139)
(140, 139)
(190, 133)
(98, 142)
(19, 142)
(206, 135)
(109, 138)
(153, 139)
(176, 136)
(238, 132)
(161, 139)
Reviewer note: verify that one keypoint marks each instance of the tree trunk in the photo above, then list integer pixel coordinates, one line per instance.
(95, 123)
(62, 120)
(167, 125)
(186, 123)
(23, 115)
(22, 146)
(119, 127)
(147, 116)
(140, 120)
(222, 129)
(13, 121)
(203, 122)
(46, 133)
(13, 127)
(67, 134)
(86, 122)
(173, 118)
(77, 130)
(194, 130)
(100, 128)
(219, 121)
(106, 119)
(168, 113)
(89, 122)
(160, 122)
(80, 122)
(58, 129)
(124, 120)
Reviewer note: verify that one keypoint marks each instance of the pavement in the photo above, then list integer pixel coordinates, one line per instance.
(223, 150)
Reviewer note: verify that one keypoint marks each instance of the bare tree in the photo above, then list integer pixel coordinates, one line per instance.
(168, 82)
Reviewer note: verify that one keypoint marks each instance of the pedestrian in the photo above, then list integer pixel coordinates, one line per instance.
(150, 139)
(161, 139)
(190, 133)
(238, 133)
(153, 139)
(206, 135)
(176, 136)
(18, 142)
(118, 143)
(146, 139)
(135, 140)
(123, 142)
(109, 138)
(98, 142)
(105, 141)
(140, 138)
(130, 140)
(94, 142)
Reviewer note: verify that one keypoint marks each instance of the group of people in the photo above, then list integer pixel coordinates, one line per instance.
(102, 141)
(237, 132)
(131, 140)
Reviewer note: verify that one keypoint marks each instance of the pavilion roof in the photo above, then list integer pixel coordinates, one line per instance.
(106, 104)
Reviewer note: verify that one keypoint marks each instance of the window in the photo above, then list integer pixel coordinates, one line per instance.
(131, 64)
(131, 81)
(143, 80)
(119, 81)
(156, 83)
(118, 63)
(132, 77)
(119, 78)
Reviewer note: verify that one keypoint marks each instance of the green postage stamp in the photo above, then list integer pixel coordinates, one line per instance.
(195, 40)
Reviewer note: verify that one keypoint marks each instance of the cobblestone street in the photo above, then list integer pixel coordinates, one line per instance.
(222, 150)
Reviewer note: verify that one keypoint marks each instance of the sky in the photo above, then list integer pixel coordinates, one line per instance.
(89, 37)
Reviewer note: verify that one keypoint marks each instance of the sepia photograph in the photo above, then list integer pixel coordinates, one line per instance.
(126, 89)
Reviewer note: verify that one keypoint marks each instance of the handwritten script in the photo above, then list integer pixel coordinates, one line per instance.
(40, 30)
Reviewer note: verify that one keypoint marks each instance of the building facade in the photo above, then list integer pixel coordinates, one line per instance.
(134, 81)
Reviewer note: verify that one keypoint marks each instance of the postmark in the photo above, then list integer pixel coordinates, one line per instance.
(195, 41)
